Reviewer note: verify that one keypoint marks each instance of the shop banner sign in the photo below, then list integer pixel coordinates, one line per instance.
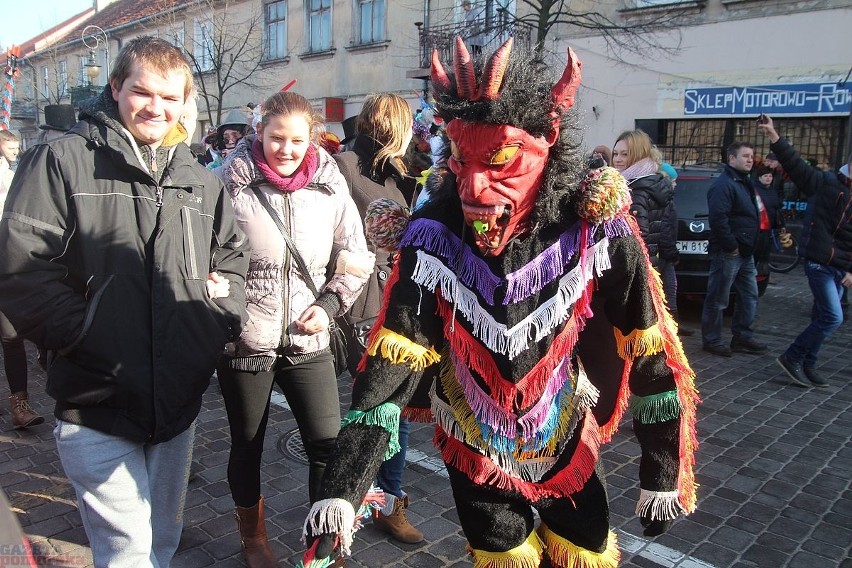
(799, 98)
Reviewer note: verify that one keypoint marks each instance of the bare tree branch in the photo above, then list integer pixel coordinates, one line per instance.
(228, 54)
(638, 32)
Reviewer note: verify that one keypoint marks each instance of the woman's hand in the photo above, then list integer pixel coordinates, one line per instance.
(313, 320)
(217, 286)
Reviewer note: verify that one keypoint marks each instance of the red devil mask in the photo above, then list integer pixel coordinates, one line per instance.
(499, 168)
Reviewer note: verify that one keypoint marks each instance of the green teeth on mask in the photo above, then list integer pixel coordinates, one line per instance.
(479, 226)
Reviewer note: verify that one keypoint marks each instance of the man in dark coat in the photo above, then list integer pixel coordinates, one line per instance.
(734, 226)
(826, 245)
(123, 259)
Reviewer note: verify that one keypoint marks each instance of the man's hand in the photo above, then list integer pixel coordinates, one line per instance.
(217, 286)
(768, 128)
(313, 320)
(847, 280)
(785, 238)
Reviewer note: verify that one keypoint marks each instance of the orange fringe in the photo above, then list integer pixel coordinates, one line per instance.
(684, 379)
(482, 471)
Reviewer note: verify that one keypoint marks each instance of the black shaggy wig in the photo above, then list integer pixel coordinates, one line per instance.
(525, 102)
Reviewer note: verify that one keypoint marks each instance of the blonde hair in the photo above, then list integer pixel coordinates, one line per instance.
(286, 103)
(639, 147)
(387, 119)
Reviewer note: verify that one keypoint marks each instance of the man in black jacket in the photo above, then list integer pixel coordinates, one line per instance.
(826, 244)
(122, 257)
(734, 225)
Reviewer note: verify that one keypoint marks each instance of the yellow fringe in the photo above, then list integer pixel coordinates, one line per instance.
(525, 555)
(639, 342)
(461, 409)
(400, 350)
(565, 554)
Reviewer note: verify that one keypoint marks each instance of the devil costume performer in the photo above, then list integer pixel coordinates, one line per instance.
(523, 303)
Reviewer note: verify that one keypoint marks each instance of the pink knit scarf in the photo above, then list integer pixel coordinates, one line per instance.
(299, 179)
(642, 168)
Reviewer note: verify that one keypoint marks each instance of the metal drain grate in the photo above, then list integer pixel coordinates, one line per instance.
(290, 446)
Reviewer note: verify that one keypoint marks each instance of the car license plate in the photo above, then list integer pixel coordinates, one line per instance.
(692, 247)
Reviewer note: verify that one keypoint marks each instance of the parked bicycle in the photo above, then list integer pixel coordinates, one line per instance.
(783, 258)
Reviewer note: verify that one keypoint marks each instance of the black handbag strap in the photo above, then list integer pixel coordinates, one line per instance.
(294, 252)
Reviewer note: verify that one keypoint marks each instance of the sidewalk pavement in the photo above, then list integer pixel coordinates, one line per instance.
(773, 467)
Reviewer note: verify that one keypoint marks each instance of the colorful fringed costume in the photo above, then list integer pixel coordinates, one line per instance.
(531, 336)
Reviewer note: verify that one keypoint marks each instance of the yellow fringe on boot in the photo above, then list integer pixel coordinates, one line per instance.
(400, 350)
(565, 554)
(525, 555)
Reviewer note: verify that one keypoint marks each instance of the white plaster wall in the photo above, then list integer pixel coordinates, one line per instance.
(807, 47)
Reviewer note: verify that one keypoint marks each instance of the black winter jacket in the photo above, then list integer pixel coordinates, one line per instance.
(653, 207)
(107, 267)
(366, 187)
(827, 234)
(733, 216)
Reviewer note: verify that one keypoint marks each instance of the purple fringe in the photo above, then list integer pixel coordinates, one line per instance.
(543, 269)
(438, 239)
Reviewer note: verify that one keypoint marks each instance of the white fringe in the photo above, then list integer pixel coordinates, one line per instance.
(332, 516)
(659, 505)
(430, 272)
(585, 394)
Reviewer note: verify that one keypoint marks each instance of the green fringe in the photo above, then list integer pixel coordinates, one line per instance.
(385, 415)
(656, 408)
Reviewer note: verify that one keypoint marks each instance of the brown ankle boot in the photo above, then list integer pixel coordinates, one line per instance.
(252, 524)
(396, 524)
(22, 412)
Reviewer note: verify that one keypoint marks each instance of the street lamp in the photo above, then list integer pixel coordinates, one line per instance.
(92, 37)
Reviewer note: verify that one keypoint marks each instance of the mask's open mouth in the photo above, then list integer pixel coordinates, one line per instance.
(488, 223)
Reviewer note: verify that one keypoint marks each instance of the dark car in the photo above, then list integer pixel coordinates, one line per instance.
(693, 231)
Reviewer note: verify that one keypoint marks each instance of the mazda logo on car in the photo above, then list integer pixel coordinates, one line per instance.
(696, 226)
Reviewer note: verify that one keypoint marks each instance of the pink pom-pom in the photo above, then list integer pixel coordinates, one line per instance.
(385, 223)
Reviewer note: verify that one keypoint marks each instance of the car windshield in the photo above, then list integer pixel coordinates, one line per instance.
(691, 195)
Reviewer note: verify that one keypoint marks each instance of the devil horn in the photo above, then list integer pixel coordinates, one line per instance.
(463, 66)
(439, 74)
(563, 91)
(492, 76)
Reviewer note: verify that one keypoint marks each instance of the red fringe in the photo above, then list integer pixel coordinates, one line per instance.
(414, 414)
(479, 358)
(380, 317)
(482, 471)
(611, 427)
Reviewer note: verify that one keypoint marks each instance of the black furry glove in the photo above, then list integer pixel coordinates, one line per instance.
(654, 527)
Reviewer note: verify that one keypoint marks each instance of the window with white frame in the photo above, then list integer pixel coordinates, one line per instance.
(370, 19)
(276, 30)
(319, 24)
(203, 45)
(45, 81)
(62, 78)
